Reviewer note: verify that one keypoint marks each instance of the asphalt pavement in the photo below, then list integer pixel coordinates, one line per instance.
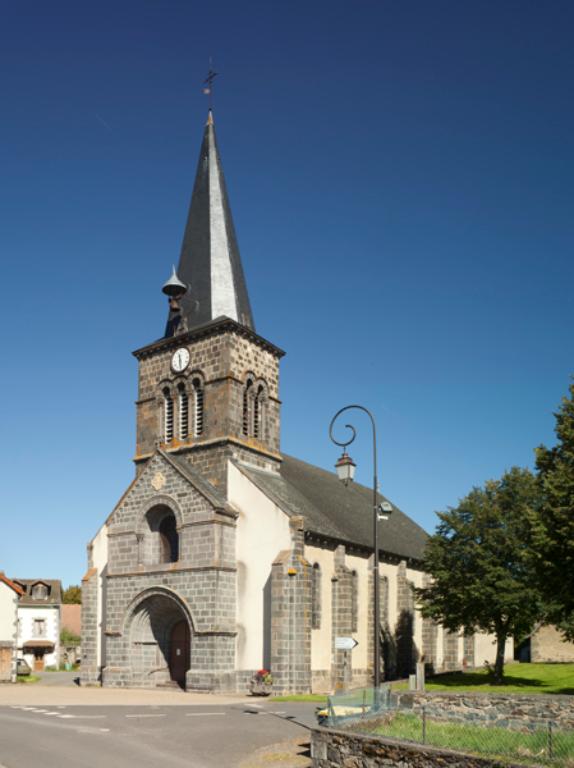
(64, 726)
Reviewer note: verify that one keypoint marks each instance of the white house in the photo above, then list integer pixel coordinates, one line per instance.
(39, 622)
(9, 596)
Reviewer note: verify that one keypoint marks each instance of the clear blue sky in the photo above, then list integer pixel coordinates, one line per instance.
(401, 178)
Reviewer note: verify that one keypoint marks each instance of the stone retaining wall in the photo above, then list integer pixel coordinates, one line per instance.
(332, 748)
(506, 711)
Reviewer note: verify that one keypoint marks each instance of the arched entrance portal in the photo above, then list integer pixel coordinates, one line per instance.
(160, 641)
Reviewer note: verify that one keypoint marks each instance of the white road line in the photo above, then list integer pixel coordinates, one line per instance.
(203, 714)
(146, 715)
(83, 717)
(52, 714)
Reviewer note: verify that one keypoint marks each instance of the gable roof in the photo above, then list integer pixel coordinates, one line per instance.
(54, 597)
(331, 511)
(5, 580)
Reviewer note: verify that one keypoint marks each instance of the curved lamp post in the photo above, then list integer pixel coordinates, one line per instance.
(345, 467)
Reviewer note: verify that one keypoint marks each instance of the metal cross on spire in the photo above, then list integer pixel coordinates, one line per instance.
(208, 84)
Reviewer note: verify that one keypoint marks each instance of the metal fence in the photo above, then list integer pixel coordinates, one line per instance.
(532, 743)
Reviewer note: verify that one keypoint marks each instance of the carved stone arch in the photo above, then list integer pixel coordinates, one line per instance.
(159, 500)
(162, 591)
(158, 650)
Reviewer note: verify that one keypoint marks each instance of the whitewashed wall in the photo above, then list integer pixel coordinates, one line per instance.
(51, 616)
(99, 546)
(8, 613)
(262, 532)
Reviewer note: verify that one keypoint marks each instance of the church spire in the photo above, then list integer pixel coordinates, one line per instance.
(210, 264)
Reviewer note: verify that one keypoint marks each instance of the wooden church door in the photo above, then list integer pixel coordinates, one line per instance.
(179, 652)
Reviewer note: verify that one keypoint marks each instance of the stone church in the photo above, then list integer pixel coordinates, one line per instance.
(225, 556)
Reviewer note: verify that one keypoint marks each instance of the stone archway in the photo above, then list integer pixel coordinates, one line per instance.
(160, 635)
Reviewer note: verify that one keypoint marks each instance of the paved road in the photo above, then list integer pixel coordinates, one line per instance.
(56, 678)
(199, 736)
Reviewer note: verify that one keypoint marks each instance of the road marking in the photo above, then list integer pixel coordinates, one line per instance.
(82, 717)
(146, 715)
(203, 714)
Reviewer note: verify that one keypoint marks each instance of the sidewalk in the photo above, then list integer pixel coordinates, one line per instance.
(36, 694)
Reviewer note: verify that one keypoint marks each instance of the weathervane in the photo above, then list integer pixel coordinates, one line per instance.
(208, 84)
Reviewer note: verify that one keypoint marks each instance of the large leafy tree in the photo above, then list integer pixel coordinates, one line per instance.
(554, 540)
(480, 563)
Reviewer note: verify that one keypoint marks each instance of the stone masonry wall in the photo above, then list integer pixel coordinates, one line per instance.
(223, 360)
(291, 616)
(407, 652)
(332, 748)
(341, 598)
(510, 711)
(6, 650)
(200, 586)
(89, 667)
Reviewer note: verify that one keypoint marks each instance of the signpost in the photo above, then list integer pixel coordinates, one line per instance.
(345, 643)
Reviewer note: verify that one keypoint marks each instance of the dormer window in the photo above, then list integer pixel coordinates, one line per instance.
(167, 415)
(40, 592)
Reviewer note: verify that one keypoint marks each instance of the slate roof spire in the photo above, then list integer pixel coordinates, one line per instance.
(210, 264)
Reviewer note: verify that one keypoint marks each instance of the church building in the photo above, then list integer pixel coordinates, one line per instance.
(225, 556)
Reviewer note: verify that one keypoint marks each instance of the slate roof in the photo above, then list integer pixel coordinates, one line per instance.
(54, 597)
(332, 511)
(210, 263)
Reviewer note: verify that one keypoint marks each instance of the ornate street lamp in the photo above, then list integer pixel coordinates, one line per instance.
(345, 467)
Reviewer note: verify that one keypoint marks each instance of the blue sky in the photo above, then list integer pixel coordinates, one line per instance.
(400, 175)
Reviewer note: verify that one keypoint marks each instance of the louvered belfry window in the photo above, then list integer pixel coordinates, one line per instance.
(258, 406)
(168, 415)
(183, 413)
(198, 408)
(246, 397)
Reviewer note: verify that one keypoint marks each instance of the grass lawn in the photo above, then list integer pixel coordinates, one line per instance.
(538, 747)
(27, 679)
(518, 678)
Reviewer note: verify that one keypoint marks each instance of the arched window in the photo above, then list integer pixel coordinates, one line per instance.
(183, 412)
(197, 407)
(169, 540)
(259, 412)
(167, 415)
(316, 597)
(354, 601)
(246, 409)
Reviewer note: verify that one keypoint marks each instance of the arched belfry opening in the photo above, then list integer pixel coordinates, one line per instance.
(160, 637)
(161, 537)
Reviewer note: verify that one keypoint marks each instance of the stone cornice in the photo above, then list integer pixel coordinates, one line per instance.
(214, 328)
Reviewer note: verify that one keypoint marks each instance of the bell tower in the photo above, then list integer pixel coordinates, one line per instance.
(209, 389)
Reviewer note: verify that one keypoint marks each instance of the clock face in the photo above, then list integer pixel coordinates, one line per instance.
(180, 360)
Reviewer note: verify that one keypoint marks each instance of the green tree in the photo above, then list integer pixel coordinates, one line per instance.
(73, 594)
(554, 539)
(480, 563)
